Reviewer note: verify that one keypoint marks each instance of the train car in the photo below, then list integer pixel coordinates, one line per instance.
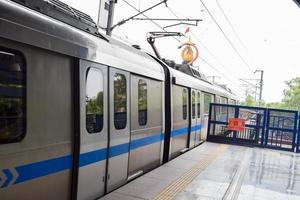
(191, 95)
(82, 113)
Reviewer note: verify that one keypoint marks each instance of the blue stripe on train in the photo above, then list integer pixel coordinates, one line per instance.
(43, 168)
(146, 141)
(118, 150)
(46, 167)
(183, 131)
(92, 157)
(178, 132)
(196, 128)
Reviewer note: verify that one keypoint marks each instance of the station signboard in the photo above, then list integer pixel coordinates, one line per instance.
(236, 124)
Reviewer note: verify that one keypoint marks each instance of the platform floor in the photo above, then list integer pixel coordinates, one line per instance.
(218, 171)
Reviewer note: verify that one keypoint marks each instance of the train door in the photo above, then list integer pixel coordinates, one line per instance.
(93, 130)
(119, 128)
(193, 119)
(207, 99)
(180, 123)
(198, 119)
(146, 125)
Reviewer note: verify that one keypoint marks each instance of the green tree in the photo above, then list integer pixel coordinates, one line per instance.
(291, 98)
(249, 101)
(95, 105)
(120, 93)
(278, 105)
(142, 95)
(290, 101)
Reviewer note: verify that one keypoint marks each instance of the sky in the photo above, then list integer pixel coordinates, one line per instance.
(259, 35)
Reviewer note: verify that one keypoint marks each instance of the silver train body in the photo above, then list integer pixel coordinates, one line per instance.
(60, 146)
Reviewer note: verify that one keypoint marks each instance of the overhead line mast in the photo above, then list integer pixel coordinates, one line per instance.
(260, 84)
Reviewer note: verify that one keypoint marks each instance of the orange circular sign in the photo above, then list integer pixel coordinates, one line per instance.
(188, 53)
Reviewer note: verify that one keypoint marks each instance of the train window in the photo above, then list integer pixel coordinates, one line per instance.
(193, 105)
(218, 99)
(224, 100)
(94, 100)
(223, 108)
(12, 96)
(198, 105)
(184, 104)
(142, 102)
(120, 101)
(232, 101)
(207, 101)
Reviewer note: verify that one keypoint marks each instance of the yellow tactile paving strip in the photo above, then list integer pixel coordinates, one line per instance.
(180, 183)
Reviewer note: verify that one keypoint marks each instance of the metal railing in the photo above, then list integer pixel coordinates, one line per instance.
(262, 127)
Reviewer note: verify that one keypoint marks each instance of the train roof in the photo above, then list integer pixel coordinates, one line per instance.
(22, 24)
(183, 79)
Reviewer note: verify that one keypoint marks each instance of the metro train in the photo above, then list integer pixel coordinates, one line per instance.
(82, 113)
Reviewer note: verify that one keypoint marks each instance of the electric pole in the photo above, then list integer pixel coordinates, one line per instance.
(260, 84)
(110, 16)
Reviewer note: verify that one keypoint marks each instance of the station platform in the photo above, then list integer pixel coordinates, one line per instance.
(219, 171)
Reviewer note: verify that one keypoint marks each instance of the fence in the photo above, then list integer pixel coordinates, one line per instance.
(254, 126)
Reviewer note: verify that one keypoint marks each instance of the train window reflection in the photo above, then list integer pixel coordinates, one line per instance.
(193, 105)
(207, 101)
(12, 96)
(184, 104)
(218, 99)
(224, 100)
(223, 108)
(198, 105)
(120, 101)
(94, 100)
(142, 102)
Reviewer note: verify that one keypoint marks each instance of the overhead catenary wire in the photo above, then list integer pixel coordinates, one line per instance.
(206, 62)
(209, 51)
(129, 4)
(227, 38)
(215, 57)
(230, 24)
(177, 39)
(156, 24)
(173, 13)
(204, 46)
(216, 69)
